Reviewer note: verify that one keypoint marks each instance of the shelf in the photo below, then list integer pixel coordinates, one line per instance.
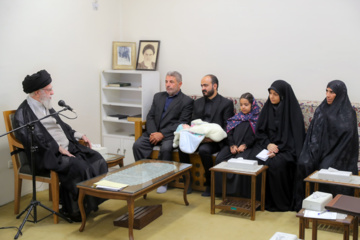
(122, 104)
(122, 135)
(117, 121)
(137, 89)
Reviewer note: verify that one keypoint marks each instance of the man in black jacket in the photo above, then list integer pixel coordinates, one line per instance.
(212, 108)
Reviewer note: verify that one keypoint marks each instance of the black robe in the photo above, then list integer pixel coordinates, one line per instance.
(86, 164)
(282, 125)
(332, 141)
(235, 184)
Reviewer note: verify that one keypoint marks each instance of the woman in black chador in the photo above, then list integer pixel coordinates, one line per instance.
(280, 129)
(331, 141)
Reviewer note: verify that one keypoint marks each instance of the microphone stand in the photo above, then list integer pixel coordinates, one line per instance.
(34, 203)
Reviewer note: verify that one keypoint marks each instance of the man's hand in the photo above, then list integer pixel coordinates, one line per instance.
(86, 140)
(156, 137)
(241, 148)
(65, 152)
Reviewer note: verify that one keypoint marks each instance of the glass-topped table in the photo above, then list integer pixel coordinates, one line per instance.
(142, 177)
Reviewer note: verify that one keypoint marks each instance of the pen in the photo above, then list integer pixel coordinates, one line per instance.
(322, 212)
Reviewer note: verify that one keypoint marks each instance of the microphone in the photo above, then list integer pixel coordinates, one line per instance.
(63, 104)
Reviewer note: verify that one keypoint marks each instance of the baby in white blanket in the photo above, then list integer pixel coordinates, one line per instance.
(188, 138)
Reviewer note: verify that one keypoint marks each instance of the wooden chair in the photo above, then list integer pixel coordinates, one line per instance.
(22, 169)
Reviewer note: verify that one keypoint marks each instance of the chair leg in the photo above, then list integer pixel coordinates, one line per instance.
(50, 192)
(18, 184)
(55, 194)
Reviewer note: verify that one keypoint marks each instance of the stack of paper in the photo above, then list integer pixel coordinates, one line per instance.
(111, 186)
(283, 236)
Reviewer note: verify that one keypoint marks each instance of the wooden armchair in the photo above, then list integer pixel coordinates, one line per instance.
(197, 171)
(22, 169)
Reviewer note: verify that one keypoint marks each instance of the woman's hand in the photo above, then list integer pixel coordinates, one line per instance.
(233, 149)
(273, 150)
(241, 148)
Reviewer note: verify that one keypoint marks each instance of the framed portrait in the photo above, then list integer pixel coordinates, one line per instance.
(148, 55)
(124, 55)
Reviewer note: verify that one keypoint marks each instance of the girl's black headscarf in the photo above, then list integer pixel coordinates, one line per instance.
(282, 124)
(332, 139)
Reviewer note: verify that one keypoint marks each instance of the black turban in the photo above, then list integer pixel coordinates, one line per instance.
(36, 81)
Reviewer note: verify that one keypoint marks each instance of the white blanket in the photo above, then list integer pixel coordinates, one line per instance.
(188, 138)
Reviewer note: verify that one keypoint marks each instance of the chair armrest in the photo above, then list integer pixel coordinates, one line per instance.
(139, 128)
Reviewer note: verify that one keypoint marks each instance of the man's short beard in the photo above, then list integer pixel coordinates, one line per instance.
(45, 101)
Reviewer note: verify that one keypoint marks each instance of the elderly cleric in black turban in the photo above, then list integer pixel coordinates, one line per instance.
(36, 81)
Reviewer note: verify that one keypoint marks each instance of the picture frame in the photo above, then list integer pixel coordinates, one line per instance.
(124, 55)
(148, 55)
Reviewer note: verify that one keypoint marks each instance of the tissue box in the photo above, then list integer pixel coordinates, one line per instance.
(102, 150)
(240, 163)
(317, 201)
(283, 236)
(334, 175)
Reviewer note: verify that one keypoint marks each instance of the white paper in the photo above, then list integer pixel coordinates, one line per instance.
(324, 215)
(263, 155)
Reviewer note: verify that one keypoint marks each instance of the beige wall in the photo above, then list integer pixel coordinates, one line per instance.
(250, 43)
(247, 43)
(72, 42)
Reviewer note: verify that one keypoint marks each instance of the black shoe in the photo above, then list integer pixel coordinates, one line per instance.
(207, 192)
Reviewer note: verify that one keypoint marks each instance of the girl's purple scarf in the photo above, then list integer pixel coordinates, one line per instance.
(251, 117)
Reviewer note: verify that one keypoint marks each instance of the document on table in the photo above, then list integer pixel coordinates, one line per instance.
(109, 185)
(324, 215)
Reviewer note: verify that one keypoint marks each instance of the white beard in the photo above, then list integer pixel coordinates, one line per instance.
(45, 101)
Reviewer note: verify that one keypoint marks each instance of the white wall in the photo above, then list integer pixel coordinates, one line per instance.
(72, 42)
(250, 43)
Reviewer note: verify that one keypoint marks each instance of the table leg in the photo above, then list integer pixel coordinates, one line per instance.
(130, 203)
(316, 187)
(346, 232)
(82, 209)
(187, 183)
(355, 228)
(253, 197)
(307, 189)
(314, 229)
(223, 186)
(263, 187)
(212, 200)
(302, 228)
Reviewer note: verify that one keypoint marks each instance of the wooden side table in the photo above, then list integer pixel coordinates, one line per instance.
(315, 221)
(235, 203)
(114, 159)
(316, 181)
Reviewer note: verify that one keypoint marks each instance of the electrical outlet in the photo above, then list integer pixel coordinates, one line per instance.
(10, 164)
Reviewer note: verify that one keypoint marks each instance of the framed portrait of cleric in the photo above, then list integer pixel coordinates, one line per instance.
(124, 55)
(148, 55)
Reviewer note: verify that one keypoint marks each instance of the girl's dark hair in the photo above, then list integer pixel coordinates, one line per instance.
(248, 96)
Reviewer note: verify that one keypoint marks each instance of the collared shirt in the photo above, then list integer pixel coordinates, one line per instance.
(208, 108)
(169, 99)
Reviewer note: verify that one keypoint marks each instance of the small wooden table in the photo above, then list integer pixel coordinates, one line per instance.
(114, 159)
(348, 205)
(310, 179)
(315, 221)
(235, 203)
(132, 192)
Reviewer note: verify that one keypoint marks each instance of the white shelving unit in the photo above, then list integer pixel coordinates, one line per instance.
(118, 134)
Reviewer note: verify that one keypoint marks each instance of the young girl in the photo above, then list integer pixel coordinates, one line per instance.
(241, 135)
